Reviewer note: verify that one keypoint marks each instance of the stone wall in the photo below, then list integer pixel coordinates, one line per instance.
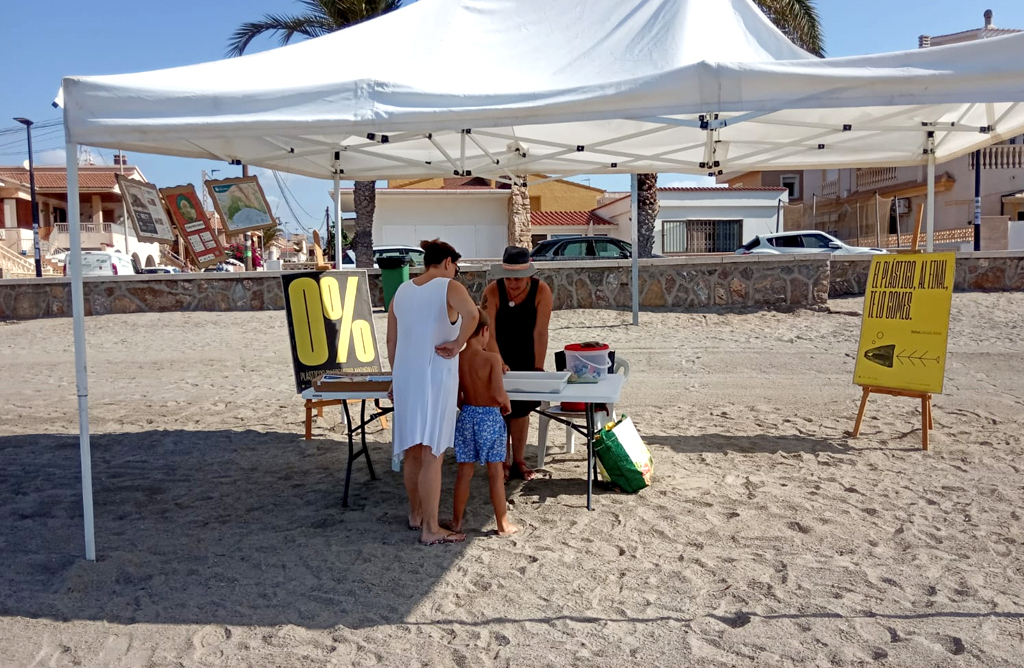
(986, 270)
(725, 281)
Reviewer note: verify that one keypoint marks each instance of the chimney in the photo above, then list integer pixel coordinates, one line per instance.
(988, 19)
(924, 41)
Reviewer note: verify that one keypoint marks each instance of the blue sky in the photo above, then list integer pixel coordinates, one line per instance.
(41, 42)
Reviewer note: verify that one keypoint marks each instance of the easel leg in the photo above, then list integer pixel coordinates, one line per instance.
(319, 411)
(931, 425)
(925, 421)
(309, 420)
(860, 412)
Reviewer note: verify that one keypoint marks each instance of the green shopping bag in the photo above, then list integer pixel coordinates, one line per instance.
(622, 457)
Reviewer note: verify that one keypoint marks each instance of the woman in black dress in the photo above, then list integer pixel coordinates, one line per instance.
(519, 305)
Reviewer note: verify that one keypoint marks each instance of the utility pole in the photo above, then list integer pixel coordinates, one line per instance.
(32, 190)
(977, 200)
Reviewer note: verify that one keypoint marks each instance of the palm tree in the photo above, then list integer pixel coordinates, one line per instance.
(798, 20)
(320, 17)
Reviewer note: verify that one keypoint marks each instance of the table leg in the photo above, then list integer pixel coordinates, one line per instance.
(590, 456)
(351, 449)
(362, 434)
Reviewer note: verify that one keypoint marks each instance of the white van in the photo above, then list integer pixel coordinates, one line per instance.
(103, 263)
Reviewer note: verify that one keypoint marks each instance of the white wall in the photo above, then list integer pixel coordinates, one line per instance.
(476, 224)
(757, 210)
(1016, 235)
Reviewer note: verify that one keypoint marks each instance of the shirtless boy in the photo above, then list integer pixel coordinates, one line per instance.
(480, 434)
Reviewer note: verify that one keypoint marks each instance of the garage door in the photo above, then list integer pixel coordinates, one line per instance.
(472, 241)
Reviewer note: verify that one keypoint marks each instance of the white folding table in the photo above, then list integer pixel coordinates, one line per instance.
(605, 391)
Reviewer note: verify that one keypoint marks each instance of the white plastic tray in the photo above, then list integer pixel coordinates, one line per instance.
(549, 382)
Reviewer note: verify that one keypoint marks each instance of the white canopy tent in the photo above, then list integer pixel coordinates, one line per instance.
(503, 87)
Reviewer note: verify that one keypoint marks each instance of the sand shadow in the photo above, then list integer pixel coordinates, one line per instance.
(757, 444)
(232, 527)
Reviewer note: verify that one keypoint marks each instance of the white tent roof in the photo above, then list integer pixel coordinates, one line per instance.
(560, 87)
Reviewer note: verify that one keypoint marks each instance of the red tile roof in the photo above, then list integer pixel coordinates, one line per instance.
(567, 218)
(56, 178)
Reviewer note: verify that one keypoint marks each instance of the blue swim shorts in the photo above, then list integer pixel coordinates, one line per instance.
(480, 435)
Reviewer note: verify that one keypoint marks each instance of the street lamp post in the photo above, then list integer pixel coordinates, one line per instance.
(32, 189)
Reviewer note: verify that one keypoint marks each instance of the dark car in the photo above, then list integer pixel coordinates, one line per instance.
(582, 248)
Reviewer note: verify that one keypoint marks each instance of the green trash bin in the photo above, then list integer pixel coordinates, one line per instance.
(393, 272)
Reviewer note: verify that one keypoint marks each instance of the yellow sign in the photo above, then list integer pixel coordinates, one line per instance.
(906, 322)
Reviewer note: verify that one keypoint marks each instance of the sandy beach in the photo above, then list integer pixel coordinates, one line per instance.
(767, 538)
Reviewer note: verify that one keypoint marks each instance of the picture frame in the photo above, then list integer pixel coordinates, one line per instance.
(241, 204)
(194, 226)
(145, 208)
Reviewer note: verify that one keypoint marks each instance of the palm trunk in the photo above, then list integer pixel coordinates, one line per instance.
(519, 232)
(648, 210)
(365, 200)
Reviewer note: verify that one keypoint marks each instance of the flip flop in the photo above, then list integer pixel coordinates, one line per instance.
(450, 538)
(411, 527)
(520, 472)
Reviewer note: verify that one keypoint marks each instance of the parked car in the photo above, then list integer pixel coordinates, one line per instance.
(413, 253)
(161, 269)
(802, 242)
(582, 248)
(104, 263)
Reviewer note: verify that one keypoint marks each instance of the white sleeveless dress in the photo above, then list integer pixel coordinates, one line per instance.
(425, 384)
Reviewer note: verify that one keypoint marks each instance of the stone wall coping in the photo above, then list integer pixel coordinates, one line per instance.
(965, 255)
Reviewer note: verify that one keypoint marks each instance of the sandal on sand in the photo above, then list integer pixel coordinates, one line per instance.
(450, 538)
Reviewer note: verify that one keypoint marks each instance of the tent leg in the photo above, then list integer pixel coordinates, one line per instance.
(930, 225)
(634, 222)
(338, 244)
(78, 326)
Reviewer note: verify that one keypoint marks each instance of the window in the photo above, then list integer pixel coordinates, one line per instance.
(536, 239)
(700, 236)
(791, 182)
(60, 215)
(819, 241)
(576, 249)
(607, 249)
(1020, 215)
(791, 241)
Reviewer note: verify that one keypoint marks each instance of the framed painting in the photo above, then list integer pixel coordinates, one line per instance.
(241, 204)
(193, 225)
(145, 209)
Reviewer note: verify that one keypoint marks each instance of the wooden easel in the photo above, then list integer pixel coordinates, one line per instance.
(926, 409)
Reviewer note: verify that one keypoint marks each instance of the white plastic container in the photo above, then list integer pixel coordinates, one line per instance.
(536, 382)
(587, 362)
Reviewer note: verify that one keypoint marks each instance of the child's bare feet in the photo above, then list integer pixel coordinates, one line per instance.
(506, 529)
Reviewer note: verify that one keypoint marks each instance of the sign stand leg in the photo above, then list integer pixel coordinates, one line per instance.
(926, 410)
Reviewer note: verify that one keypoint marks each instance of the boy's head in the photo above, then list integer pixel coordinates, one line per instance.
(483, 327)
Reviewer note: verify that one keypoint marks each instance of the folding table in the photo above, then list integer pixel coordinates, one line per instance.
(605, 391)
(319, 398)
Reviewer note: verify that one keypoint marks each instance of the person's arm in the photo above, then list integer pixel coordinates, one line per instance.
(545, 302)
(459, 299)
(498, 385)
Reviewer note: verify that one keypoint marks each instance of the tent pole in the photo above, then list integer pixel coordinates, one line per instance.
(930, 242)
(78, 326)
(338, 245)
(634, 209)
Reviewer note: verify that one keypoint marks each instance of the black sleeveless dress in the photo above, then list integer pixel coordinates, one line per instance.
(514, 327)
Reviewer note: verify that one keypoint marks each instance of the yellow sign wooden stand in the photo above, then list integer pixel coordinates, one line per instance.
(926, 409)
(904, 330)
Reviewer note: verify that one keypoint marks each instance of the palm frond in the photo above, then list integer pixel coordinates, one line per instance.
(798, 20)
(286, 27)
(319, 17)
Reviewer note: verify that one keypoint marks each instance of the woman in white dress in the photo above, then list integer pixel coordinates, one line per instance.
(430, 319)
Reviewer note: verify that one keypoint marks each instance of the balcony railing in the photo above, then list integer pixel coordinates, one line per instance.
(87, 228)
(868, 179)
(1004, 156)
(830, 189)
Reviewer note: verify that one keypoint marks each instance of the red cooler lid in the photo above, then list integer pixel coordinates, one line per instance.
(589, 346)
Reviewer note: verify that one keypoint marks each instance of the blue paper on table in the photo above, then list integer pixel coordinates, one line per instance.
(371, 379)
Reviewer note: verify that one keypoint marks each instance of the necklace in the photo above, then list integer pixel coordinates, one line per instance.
(512, 300)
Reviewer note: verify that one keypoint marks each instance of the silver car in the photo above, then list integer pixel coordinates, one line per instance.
(810, 241)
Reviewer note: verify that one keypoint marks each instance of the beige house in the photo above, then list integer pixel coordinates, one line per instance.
(102, 213)
(868, 205)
